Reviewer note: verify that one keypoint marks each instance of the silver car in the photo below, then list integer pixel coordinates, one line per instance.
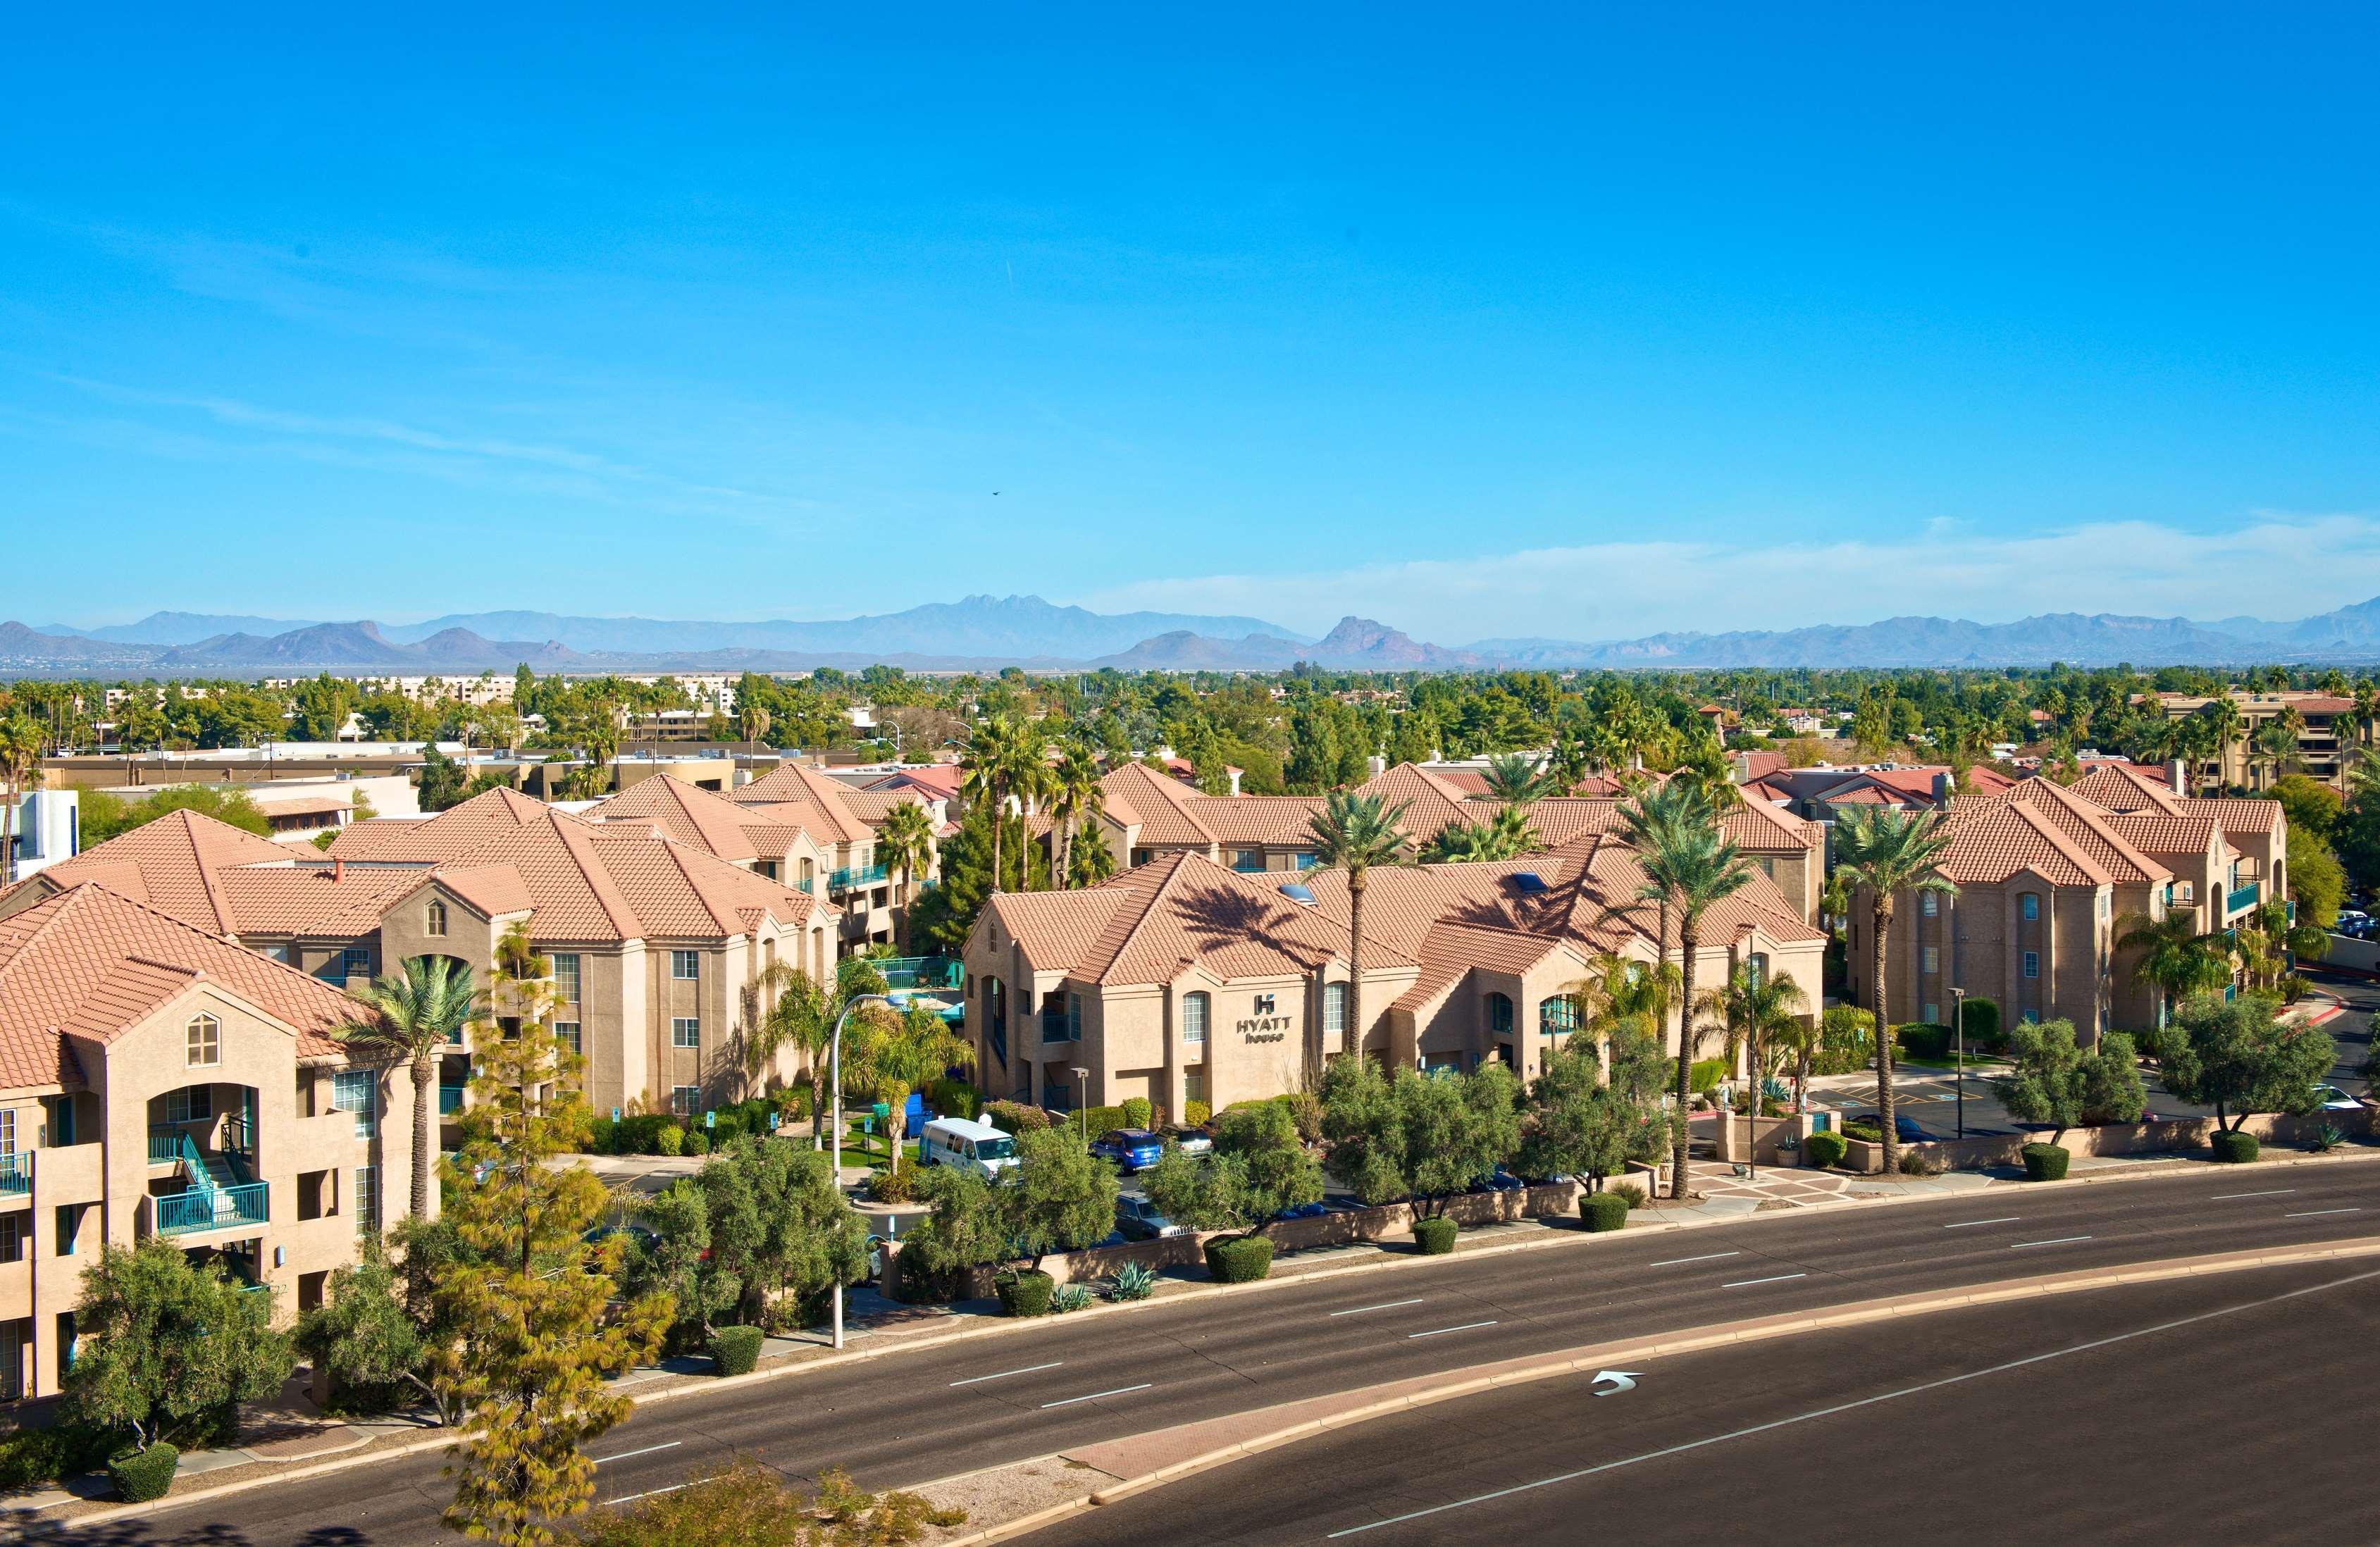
(1139, 1219)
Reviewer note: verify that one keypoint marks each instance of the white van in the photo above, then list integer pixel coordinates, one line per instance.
(961, 1142)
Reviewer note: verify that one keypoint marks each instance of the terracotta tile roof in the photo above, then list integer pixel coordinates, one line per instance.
(178, 859)
(457, 830)
(1139, 796)
(1244, 820)
(2126, 787)
(91, 962)
(829, 815)
(2245, 817)
(305, 899)
(1450, 952)
(1998, 841)
(710, 822)
(938, 780)
(2085, 822)
(2154, 831)
(496, 890)
(872, 806)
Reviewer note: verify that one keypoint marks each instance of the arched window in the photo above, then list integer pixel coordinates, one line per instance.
(1499, 1015)
(203, 1038)
(1194, 1020)
(1558, 1016)
(436, 921)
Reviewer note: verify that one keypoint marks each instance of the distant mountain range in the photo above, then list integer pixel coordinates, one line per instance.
(985, 633)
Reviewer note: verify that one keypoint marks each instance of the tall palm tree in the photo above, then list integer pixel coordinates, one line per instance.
(2176, 960)
(2367, 710)
(1075, 793)
(893, 1054)
(1516, 777)
(1030, 780)
(907, 839)
(417, 1015)
(1507, 835)
(1798, 1041)
(20, 758)
(1357, 833)
(2222, 720)
(984, 769)
(1689, 866)
(800, 1014)
(1757, 1009)
(1889, 852)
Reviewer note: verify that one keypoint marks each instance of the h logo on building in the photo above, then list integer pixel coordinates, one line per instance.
(1263, 1004)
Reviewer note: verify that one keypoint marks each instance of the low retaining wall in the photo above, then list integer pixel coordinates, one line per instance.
(2117, 1139)
(1773, 1141)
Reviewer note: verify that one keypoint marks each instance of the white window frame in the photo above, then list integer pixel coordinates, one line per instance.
(1197, 1012)
(2032, 964)
(685, 1031)
(686, 966)
(568, 980)
(1933, 962)
(355, 1090)
(569, 1033)
(433, 919)
(1334, 1009)
(683, 1099)
(202, 1042)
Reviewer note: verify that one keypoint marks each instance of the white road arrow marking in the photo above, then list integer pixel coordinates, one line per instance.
(1622, 1380)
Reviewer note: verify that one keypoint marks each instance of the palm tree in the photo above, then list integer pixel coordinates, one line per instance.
(1689, 866)
(1888, 850)
(894, 1054)
(1030, 781)
(984, 767)
(1507, 835)
(754, 722)
(1756, 1009)
(1798, 1040)
(2176, 960)
(907, 839)
(2222, 720)
(1354, 833)
(2367, 710)
(1516, 777)
(417, 1015)
(20, 760)
(1075, 793)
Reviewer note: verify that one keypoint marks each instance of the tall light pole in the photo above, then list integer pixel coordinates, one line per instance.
(1083, 1099)
(1958, 1027)
(835, 1124)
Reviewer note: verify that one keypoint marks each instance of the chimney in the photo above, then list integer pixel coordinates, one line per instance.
(1375, 765)
(1236, 782)
(1944, 786)
(338, 868)
(2177, 773)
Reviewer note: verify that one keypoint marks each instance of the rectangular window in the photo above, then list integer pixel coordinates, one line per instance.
(69, 1227)
(351, 1091)
(203, 1040)
(2032, 964)
(1933, 1012)
(274, 953)
(1334, 1009)
(685, 1031)
(1194, 1019)
(356, 962)
(7, 1130)
(1074, 1017)
(568, 1032)
(2032, 905)
(683, 1099)
(192, 1104)
(566, 978)
(1929, 902)
(14, 1232)
(367, 1196)
(686, 965)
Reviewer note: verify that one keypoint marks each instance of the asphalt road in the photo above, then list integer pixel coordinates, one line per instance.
(913, 1417)
(2200, 1410)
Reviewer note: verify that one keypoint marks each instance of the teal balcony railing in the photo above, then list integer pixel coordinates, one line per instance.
(922, 972)
(450, 1100)
(216, 1208)
(16, 1175)
(854, 876)
(173, 1146)
(2242, 899)
(804, 885)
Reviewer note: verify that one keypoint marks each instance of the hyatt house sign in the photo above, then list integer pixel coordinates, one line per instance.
(1264, 1023)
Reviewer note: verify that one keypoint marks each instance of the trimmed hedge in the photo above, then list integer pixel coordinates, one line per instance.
(1435, 1237)
(1138, 1112)
(1024, 1294)
(1194, 1113)
(735, 1350)
(1924, 1039)
(1603, 1211)
(1015, 1116)
(2044, 1163)
(953, 1098)
(1239, 1259)
(1825, 1150)
(1984, 1035)
(672, 1141)
(2233, 1146)
(1705, 1075)
(32, 1456)
(142, 1475)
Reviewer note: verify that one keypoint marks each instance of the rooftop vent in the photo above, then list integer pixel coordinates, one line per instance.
(1297, 892)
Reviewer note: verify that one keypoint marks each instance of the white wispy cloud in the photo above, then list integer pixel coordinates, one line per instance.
(2268, 565)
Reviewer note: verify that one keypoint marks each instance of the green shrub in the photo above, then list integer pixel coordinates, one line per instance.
(142, 1475)
(1983, 1022)
(1704, 1076)
(735, 1350)
(1435, 1237)
(696, 1142)
(669, 1140)
(1070, 1297)
(1133, 1282)
(1824, 1150)
(1603, 1211)
(1015, 1116)
(2044, 1163)
(30, 1457)
(953, 1098)
(1137, 1112)
(2330, 1138)
(1026, 1293)
(1239, 1259)
(1924, 1039)
(1630, 1191)
(728, 1128)
(602, 1134)
(1195, 1112)
(1917, 1162)
(1866, 1133)
(1095, 1120)
(894, 1187)
(2233, 1147)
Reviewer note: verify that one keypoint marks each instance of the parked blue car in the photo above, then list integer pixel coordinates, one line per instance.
(1130, 1148)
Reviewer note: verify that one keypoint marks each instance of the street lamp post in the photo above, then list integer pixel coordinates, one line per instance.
(1958, 1027)
(835, 1124)
(1083, 1099)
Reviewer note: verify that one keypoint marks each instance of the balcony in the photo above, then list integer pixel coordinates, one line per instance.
(804, 885)
(450, 1100)
(921, 971)
(16, 1175)
(213, 1208)
(2241, 899)
(854, 876)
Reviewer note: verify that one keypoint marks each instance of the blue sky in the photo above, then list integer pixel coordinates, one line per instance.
(1573, 321)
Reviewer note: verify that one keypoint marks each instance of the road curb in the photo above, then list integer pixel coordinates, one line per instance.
(1588, 1358)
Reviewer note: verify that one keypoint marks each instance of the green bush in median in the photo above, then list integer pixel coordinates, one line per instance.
(1028, 1293)
(1603, 1211)
(2232, 1145)
(736, 1350)
(1435, 1237)
(2044, 1163)
(1239, 1259)
(142, 1475)
(1824, 1150)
